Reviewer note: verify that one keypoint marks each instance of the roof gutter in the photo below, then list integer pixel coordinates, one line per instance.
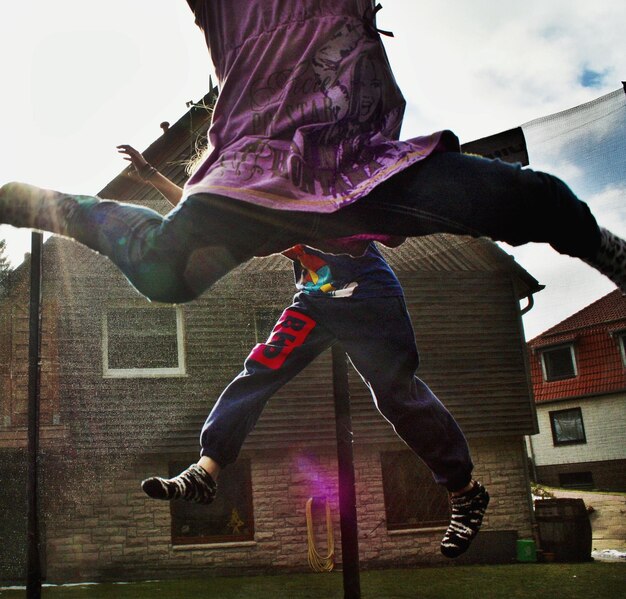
(531, 300)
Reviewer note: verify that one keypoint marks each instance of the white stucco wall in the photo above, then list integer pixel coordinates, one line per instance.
(604, 419)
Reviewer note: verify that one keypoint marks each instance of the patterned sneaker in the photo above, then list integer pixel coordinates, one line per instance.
(194, 484)
(611, 258)
(467, 516)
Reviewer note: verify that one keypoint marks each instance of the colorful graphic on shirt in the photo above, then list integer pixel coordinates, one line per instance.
(290, 331)
(316, 273)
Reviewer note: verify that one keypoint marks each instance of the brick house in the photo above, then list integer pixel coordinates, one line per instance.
(126, 385)
(578, 370)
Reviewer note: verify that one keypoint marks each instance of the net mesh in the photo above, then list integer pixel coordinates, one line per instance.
(586, 147)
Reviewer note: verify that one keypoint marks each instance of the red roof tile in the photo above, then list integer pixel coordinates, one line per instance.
(607, 309)
(597, 349)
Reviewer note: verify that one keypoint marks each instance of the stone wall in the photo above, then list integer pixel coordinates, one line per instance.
(100, 526)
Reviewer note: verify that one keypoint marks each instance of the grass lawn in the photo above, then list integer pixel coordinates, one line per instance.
(594, 580)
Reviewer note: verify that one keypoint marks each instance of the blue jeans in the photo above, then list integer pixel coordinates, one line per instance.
(174, 258)
(386, 363)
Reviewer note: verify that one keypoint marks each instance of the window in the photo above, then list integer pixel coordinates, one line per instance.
(143, 341)
(412, 498)
(264, 321)
(576, 480)
(228, 519)
(622, 347)
(558, 363)
(567, 426)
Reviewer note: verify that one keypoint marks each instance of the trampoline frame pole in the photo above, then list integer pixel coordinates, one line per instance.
(345, 462)
(33, 581)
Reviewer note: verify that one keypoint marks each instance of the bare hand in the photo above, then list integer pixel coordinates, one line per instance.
(133, 156)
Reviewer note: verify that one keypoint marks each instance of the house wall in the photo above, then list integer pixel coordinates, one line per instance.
(604, 453)
(112, 433)
(598, 389)
(100, 526)
(604, 419)
(607, 475)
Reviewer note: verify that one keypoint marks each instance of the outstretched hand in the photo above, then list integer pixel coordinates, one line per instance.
(145, 172)
(134, 157)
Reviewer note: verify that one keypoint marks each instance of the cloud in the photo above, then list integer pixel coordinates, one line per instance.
(609, 206)
(483, 66)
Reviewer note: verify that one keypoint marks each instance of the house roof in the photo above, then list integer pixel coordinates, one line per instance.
(594, 334)
(608, 310)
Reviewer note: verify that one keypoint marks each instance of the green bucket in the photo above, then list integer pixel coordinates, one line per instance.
(526, 550)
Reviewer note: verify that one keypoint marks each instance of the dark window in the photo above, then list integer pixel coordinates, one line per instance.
(228, 519)
(576, 480)
(264, 321)
(143, 341)
(622, 347)
(412, 498)
(567, 426)
(558, 363)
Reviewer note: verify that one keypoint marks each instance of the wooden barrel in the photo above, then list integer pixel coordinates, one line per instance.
(564, 529)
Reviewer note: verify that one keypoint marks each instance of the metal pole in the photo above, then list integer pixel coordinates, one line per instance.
(33, 582)
(347, 492)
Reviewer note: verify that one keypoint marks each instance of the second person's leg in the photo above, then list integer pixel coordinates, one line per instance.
(295, 341)
(385, 355)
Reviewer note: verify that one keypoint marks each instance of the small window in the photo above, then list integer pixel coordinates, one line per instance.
(412, 498)
(567, 427)
(622, 347)
(228, 519)
(143, 341)
(558, 363)
(576, 480)
(264, 321)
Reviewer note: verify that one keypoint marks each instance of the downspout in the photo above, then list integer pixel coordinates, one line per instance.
(529, 306)
(531, 507)
(532, 456)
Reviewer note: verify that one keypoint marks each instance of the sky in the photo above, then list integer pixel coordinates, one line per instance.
(80, 77)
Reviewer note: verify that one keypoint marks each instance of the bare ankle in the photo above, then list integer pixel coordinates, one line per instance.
(210, 466)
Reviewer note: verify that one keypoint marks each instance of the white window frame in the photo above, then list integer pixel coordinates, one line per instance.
(177, 371)
(554, 415)
(544, 370)
(621, 337)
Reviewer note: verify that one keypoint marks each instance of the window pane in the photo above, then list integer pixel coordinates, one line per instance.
(228, 518)
(559, 363)
(567, 426)
(576, 480)
(264, 321)
(412, 498)
(142, 338)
